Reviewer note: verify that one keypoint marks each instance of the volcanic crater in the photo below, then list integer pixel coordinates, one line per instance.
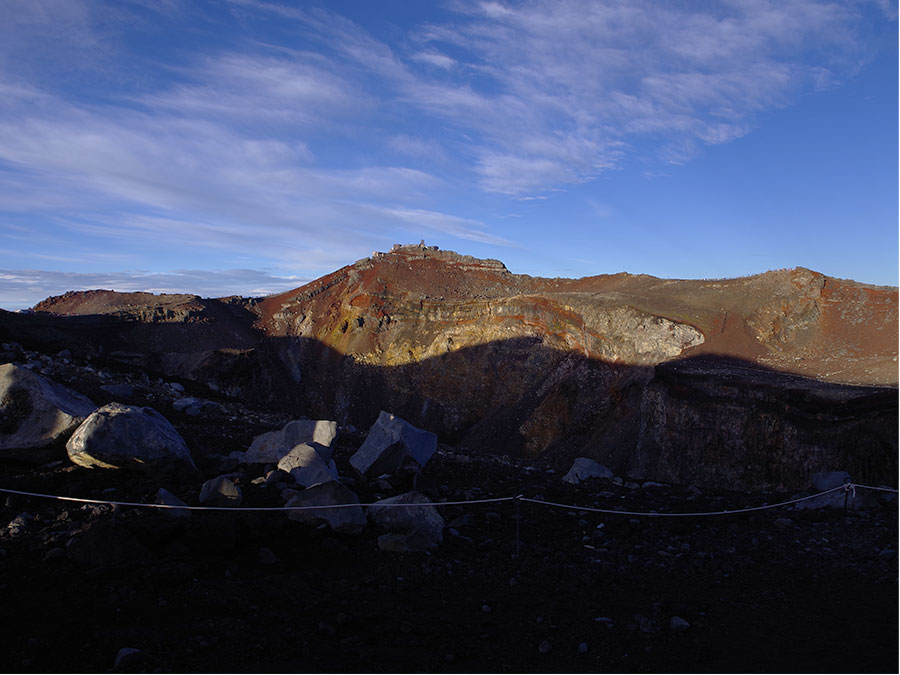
(700, 396)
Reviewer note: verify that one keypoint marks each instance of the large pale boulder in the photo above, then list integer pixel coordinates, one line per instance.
(119, 436)
(345, 520)
(390, 441)
(584, 468)
(411, 520)
(306, 466)
(37, 415)
(271, 446)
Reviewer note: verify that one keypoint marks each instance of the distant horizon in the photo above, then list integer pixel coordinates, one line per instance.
(250, 146)
(299, 283)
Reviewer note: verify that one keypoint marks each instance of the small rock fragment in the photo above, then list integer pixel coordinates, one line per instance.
(678, 625)
(266, 557)
(127, 658)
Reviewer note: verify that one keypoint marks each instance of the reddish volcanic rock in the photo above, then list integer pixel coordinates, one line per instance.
(502, 362)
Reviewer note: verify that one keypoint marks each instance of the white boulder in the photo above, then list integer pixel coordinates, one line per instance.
(37, 415)
(306, 466)
(584, 468)
(119, 436)
(271, 446)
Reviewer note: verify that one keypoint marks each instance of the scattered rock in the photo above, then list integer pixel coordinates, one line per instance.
(345, 520)
(20, 524)
(123, 390)
(166, 498)
(427, 485)
(127, 658)
(105, 543)
(783, 523)
(194, 407)
(421, 525)
(266, 557)
(271, 446)
(391, 440)
(220, 491)
(306, 466)
(584, 468)
(118, 436)
(37, 415)
(646, 625)
(55, 553)
(394, 542)
(678, 625)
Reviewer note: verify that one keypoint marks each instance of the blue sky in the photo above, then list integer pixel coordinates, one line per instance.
(248, 146)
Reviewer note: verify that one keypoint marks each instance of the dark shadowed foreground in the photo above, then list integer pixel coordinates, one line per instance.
(781, 590)
(697, 396)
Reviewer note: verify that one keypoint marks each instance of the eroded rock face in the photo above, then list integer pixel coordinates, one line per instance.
(118, 436)
(499, 362)
(37, 415)
(702, 425)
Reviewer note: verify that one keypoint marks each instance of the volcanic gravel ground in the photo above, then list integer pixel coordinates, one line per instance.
(587, 592)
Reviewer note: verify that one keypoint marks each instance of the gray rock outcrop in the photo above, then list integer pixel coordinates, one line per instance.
(345, 520)
(306, 466)
(412, 528)
(221, 491)
(37, 415)
(119, 436)
(584, 468)
(392, 440)
(271, 446)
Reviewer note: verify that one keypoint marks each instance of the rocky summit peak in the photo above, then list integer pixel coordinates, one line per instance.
(558, 368)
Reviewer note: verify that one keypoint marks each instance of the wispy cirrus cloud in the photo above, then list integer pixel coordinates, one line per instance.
(545, 94)
(572, 87)
(271, 142)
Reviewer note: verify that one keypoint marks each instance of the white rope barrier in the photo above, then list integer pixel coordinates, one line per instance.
(880, 489)
(493, 500)
(654, 514)
(105, 502)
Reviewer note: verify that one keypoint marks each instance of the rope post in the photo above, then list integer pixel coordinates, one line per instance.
(848, 484)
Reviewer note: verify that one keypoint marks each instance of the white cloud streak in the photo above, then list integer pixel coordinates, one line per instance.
(271, 147)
